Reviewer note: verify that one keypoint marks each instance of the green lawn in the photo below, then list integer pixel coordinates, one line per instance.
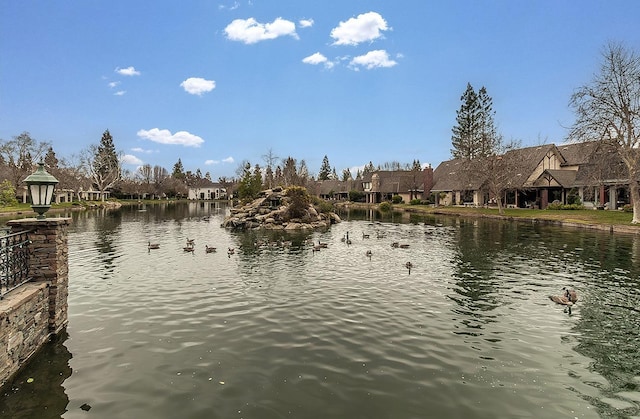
(573, 216)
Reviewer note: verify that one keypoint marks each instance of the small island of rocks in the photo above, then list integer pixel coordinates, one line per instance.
(280, 209)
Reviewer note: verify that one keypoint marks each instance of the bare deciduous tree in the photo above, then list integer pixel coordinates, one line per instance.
(608, 110)
(19, 156)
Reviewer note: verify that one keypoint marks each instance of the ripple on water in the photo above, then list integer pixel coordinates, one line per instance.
(273, 332)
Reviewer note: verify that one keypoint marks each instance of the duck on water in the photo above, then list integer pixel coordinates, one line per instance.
(568, 298)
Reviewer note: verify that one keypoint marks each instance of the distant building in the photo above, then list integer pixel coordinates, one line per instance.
(207, 190)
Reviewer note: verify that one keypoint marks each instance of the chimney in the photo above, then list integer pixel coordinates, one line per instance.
(427, 176)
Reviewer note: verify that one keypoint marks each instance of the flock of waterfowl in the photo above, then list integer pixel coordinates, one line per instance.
(568, 297)
(189, 247)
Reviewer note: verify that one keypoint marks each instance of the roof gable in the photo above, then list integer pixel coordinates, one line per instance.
(554, 178)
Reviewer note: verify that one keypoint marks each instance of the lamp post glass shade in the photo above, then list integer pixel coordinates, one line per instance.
(41, 185)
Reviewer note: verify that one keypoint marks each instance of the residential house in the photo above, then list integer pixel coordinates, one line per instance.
(207, 190)
(335, 190)
(536, 176)
(383, 185)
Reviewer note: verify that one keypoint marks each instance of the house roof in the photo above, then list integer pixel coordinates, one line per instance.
(577, 153)
(397, 181)
(206, 183)
(518, 166)
(564, 178)
(325, 187)
(522, 162)
(448, 176)
(604, 167)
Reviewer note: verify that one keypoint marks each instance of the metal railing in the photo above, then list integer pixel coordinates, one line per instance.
(14, 258)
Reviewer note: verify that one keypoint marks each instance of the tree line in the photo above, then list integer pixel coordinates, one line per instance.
(99, 168)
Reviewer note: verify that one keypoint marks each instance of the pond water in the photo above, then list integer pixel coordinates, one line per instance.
(279, 330)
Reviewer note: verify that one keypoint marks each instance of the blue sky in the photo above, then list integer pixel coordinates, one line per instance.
(216, 82)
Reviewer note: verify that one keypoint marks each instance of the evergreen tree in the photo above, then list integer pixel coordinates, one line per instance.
(369, 168)
(278, 177)
(244, 185)
(104, 165)
(178, 171)
(50, 159)
(489, 140)
(346, 175)
(250, 182)
(268, 177)
(299, 201)
(325, 169)
(475, 134)
(465, 133)
(256, 181)
(289, 172)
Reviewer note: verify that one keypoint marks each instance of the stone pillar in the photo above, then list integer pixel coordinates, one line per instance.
(49, 262)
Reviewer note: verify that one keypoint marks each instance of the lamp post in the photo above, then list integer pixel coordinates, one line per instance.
(41, 184)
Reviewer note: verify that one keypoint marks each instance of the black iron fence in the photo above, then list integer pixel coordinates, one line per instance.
(14, 258)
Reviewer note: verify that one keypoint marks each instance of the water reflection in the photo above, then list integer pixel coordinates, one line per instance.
(37, 391)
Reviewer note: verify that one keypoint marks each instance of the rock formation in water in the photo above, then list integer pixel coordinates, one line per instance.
(276, 209)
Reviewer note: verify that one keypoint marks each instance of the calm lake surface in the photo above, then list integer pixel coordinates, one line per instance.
(277, 330)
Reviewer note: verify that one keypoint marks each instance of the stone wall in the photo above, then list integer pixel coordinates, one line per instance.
(34, 312)
(24, 326)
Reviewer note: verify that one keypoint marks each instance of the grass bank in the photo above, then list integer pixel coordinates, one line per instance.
(614, 221)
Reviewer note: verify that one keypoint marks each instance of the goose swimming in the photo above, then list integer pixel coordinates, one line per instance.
(568, 298)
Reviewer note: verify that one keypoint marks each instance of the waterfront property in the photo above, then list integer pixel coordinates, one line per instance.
(536, 176)
(207, 190)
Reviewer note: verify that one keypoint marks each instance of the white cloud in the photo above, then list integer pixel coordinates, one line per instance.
(141, 150)
(234, 6)
(373, 59)
(164, 136)
(316, 59)
(197, 85)
(251, 31)
(131, 159)
(305, 23)
(129, 71)
(114, 84)
(212, 162)
(363, 28)
(120, 93)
